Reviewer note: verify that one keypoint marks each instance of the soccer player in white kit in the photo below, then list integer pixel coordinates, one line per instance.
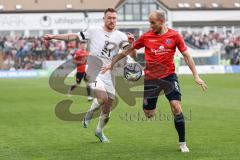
(105, 43)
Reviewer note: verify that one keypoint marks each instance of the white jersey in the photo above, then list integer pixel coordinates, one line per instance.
(104, 45)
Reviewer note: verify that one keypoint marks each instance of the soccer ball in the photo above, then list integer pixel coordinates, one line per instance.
(132, 71)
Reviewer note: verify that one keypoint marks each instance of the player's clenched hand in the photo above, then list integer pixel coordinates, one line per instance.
(106, 68)
(48, 36)
(200, 82)
(130, 37)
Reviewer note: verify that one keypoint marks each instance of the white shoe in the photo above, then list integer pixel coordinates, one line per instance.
(90, 98)
(101, 137)
(183, 147)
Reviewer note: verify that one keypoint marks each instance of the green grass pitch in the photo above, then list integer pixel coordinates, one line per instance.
(30, 130)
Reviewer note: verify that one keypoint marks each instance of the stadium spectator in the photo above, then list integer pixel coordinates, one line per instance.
(19, 47)
(22, 52)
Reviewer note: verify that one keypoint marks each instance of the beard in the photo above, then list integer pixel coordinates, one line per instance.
(111, 26)
(158, 30)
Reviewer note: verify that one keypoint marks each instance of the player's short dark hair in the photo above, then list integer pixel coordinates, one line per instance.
(83, 41)
(112, 10)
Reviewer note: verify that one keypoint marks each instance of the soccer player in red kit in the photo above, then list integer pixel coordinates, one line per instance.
(160, 45)
(80, 59)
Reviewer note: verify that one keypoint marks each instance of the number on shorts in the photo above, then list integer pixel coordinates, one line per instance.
(95, 82)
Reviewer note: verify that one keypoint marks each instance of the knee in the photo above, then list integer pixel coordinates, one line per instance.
(106, 110)
(149, 113)
(177, 110)
(105, 117)
(106, 107)
(176, 107)
(102, 100)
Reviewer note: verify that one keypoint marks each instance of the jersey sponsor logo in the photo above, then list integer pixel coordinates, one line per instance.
(46, 21)
(160, 50)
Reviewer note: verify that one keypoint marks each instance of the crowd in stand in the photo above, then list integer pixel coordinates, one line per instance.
(229, 44)
(18, 53)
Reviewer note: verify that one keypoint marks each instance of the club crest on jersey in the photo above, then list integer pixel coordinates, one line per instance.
(168, 41)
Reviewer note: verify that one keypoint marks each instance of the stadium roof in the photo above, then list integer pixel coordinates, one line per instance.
(95, 5)
(200, 4)
(56, 5)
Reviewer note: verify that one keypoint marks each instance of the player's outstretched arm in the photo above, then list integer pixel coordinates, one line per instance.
(117, 58)
(133, 54)
(65, 37)
(131, 39)
(189, 61)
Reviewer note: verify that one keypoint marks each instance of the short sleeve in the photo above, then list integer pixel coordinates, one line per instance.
(84, 35)
(181, 44)
(139, 43)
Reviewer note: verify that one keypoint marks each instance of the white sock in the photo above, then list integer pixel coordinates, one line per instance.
(182, 143)
(95, 106)
(103, 119)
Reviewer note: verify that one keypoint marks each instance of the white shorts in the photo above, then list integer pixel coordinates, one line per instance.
(105, 85)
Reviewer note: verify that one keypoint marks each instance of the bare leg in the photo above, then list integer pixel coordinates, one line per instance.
(97, 102)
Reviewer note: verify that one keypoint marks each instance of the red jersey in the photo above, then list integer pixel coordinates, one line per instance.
(79, 56)
(159, 52)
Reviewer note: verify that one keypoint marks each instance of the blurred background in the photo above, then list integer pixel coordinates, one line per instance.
(30, 126)
(211, 29)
